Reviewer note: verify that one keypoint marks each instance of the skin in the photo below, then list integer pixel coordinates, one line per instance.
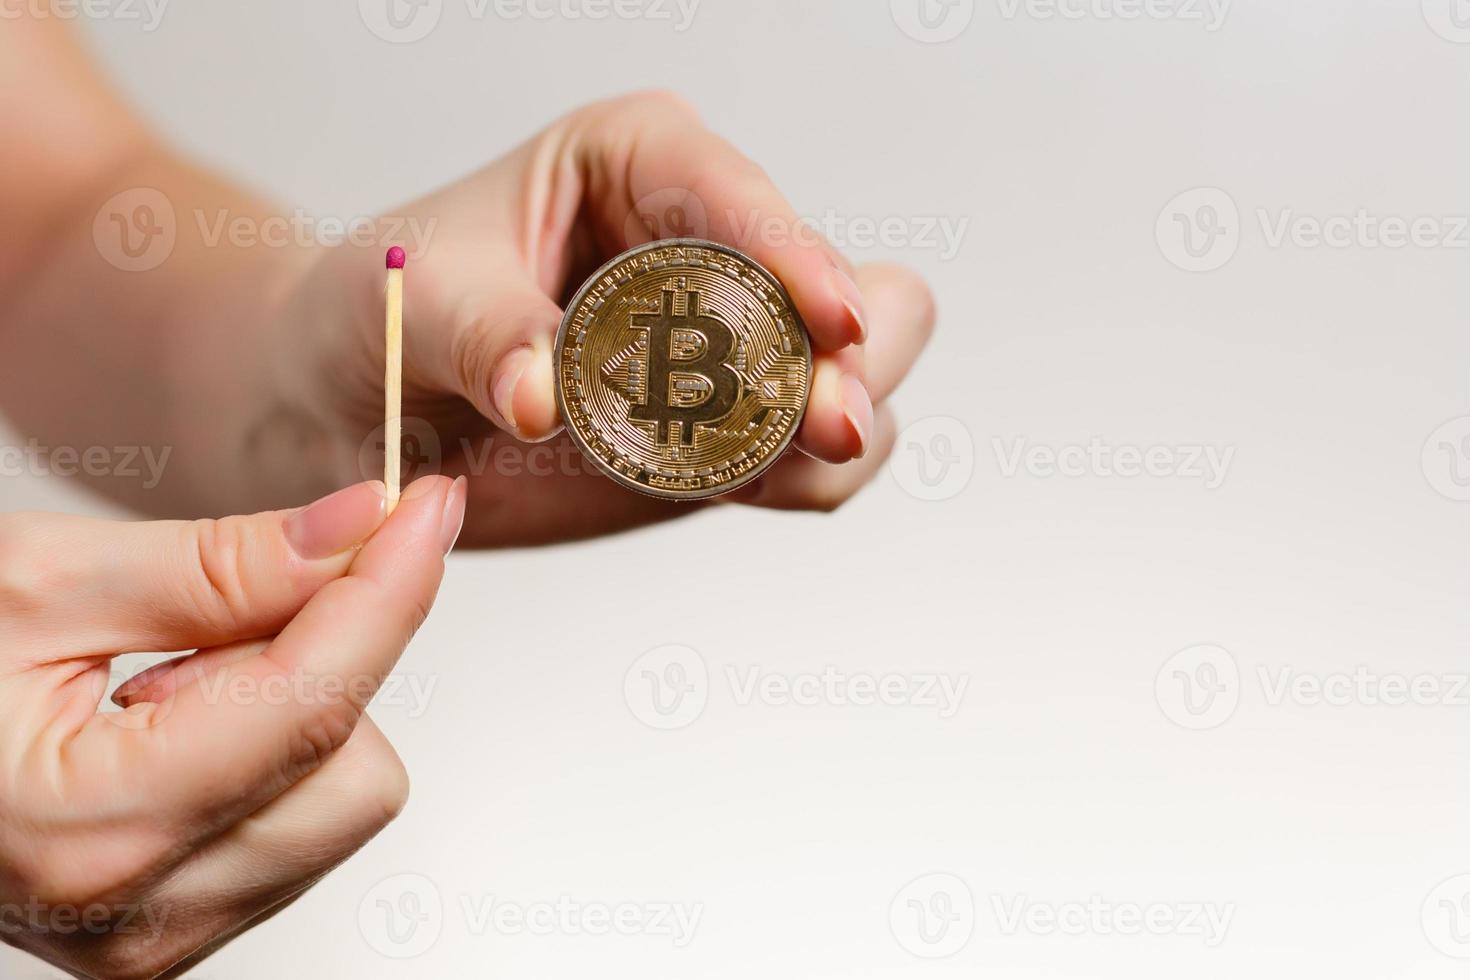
(260, 370)
(236, 776)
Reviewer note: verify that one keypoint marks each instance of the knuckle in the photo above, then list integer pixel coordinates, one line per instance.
(749, 180)
(406, 609)
(756, 173)
(27, 869)
(14, 533)
(418, 613)
(121, 958)
(915, 292)
(349, 598)
(660, 101)
(389, 785)
(40, 868)
(887, 439)
(216, 588)
(29, 573)
(127, 957)
(321, 736)
(827, 500)
(472, 357)
(667, 100)
(927, 314)
(615, 118)
(378, 778)
(479, 340)
(61, 872)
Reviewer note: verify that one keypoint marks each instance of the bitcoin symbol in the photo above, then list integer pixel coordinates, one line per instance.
(682, 335)
(688, 379)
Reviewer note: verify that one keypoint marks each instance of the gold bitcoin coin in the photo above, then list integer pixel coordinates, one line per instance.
(683, 369)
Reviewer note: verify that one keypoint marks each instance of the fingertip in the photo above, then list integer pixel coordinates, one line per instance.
(534, 406)
(830, 303)
(800, 482)
(523, 393)
(857, 409)
(452, 522)
(424, 486)
(419, 507)
(902, 303)
(141, 687)
(336, 523)
(903, 286)
(411, 536)
(839, 419)
(885, 434)
(505, 384)
(854, 309)
(129, 688)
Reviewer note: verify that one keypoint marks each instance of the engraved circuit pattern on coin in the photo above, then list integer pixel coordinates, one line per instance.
(683, 369)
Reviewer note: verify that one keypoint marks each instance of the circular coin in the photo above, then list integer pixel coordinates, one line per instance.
(683, 369)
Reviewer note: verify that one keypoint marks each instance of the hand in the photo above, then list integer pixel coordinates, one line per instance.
(233, 778)
(505, 247)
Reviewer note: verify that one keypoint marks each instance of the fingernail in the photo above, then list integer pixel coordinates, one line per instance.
(858, 408)
(852, 298)
(507, 377)
(336, 523)
(135, 684)
(453, 520)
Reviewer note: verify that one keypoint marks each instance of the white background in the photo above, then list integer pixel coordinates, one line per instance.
(1065, 316)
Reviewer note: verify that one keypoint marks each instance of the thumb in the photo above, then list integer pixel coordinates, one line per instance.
(498, 358)
(175, 585)
(244, 728)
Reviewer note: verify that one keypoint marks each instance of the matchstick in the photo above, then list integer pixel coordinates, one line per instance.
(393, 378)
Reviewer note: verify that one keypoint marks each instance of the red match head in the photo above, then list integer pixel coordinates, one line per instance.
(396, 258)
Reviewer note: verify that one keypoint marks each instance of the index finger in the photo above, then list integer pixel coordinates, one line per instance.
(222, 748)
(658, 173)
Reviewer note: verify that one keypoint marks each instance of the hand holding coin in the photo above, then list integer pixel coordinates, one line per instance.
(497, 261)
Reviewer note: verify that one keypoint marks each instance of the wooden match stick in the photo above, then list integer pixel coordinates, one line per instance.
(393, 378)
